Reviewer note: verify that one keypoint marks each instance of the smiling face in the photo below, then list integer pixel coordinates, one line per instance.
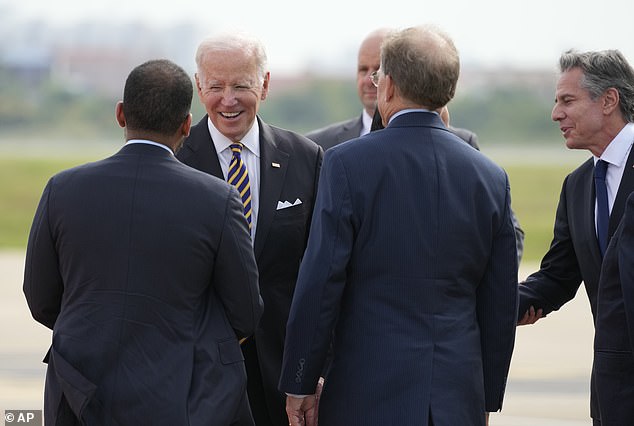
(581, 119)
(231, 90)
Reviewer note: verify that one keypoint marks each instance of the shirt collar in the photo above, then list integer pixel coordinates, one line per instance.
(617, 150)
(405, 111)
(251, 140)
(366, 123)
(144, 141)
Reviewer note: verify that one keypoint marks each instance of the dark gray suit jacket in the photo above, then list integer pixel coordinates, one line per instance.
(614, 336)
(144, 270)
(574, 256)
(289, 169)
(336, 133)
(420, 291)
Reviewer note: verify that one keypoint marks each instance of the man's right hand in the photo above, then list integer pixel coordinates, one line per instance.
(531, 316)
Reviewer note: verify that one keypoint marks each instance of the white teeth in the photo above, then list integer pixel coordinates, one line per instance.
(229, 114)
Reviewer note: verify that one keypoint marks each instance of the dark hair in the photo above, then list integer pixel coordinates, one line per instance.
(157, 97)
(603, 70)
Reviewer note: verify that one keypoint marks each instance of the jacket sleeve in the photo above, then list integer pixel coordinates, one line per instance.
(497, 300)
(43, 286)
(235, 275)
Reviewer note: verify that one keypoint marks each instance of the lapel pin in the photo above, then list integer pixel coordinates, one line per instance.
(276, 165)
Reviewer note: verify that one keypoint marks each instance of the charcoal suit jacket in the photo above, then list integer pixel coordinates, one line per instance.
(574, 255)
(614, 328)
(143, 269)
(289, 170)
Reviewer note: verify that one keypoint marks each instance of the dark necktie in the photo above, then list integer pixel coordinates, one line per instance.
(603, 211)
(239, 178)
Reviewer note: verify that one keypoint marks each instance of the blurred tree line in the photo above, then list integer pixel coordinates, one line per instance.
(501, 114)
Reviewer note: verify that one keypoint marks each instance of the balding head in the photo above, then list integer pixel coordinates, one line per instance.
(368, 61)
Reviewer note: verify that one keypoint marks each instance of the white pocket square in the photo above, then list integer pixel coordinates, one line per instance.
(286, 204)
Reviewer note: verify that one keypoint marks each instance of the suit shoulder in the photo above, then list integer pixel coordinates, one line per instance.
(291, 140)
(581, 171)
(331, 129)
(201, 181)
(466, 135)
(335, 133)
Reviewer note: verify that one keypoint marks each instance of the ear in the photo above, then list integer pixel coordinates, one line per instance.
(610, 100)
(265, 86)
(197, 80)
(118, 112)
(187, 125)
(390, 88)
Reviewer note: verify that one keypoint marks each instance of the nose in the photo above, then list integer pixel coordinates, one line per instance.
(229, 96)
(557, 114)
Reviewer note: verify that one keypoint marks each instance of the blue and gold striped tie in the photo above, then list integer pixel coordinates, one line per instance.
(239, 177)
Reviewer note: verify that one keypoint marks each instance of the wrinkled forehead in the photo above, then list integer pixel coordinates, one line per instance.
(227, 68)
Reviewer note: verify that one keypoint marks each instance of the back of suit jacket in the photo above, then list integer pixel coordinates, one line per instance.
(143, 268)
(411, 261)
(289, 171)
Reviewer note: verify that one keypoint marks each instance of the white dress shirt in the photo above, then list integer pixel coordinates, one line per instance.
(250, 156)
(615, 155)
(147, 142)
(366, 121)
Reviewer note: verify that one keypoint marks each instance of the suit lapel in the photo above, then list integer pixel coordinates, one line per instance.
(273, 165)
(625, 188)
(204, 156)
(588, 212)
(351, 130)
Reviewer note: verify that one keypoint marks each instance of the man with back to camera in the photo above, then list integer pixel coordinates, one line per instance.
(143, 269)
(368, 61)
(409, 281)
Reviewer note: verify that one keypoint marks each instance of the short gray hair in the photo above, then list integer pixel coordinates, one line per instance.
(231, 41)
(603, 70)
(424, 64)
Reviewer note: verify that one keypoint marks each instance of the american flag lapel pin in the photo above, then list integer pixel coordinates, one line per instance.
(276, 165)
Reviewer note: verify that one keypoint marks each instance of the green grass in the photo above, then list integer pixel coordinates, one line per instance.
(534, 197)
(23, 179)
(535, 192)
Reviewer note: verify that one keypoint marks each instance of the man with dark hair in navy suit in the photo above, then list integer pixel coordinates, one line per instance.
(143, 269)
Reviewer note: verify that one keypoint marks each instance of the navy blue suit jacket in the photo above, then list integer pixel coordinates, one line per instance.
(411, 266)
(144, 270)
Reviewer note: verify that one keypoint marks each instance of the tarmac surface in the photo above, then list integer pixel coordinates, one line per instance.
(548, 383)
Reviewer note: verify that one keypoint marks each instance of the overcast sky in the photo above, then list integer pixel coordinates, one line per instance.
(297, 33)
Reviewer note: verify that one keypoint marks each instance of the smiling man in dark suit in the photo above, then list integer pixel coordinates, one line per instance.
(143, 269)
(282, 170)
(594, 105)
